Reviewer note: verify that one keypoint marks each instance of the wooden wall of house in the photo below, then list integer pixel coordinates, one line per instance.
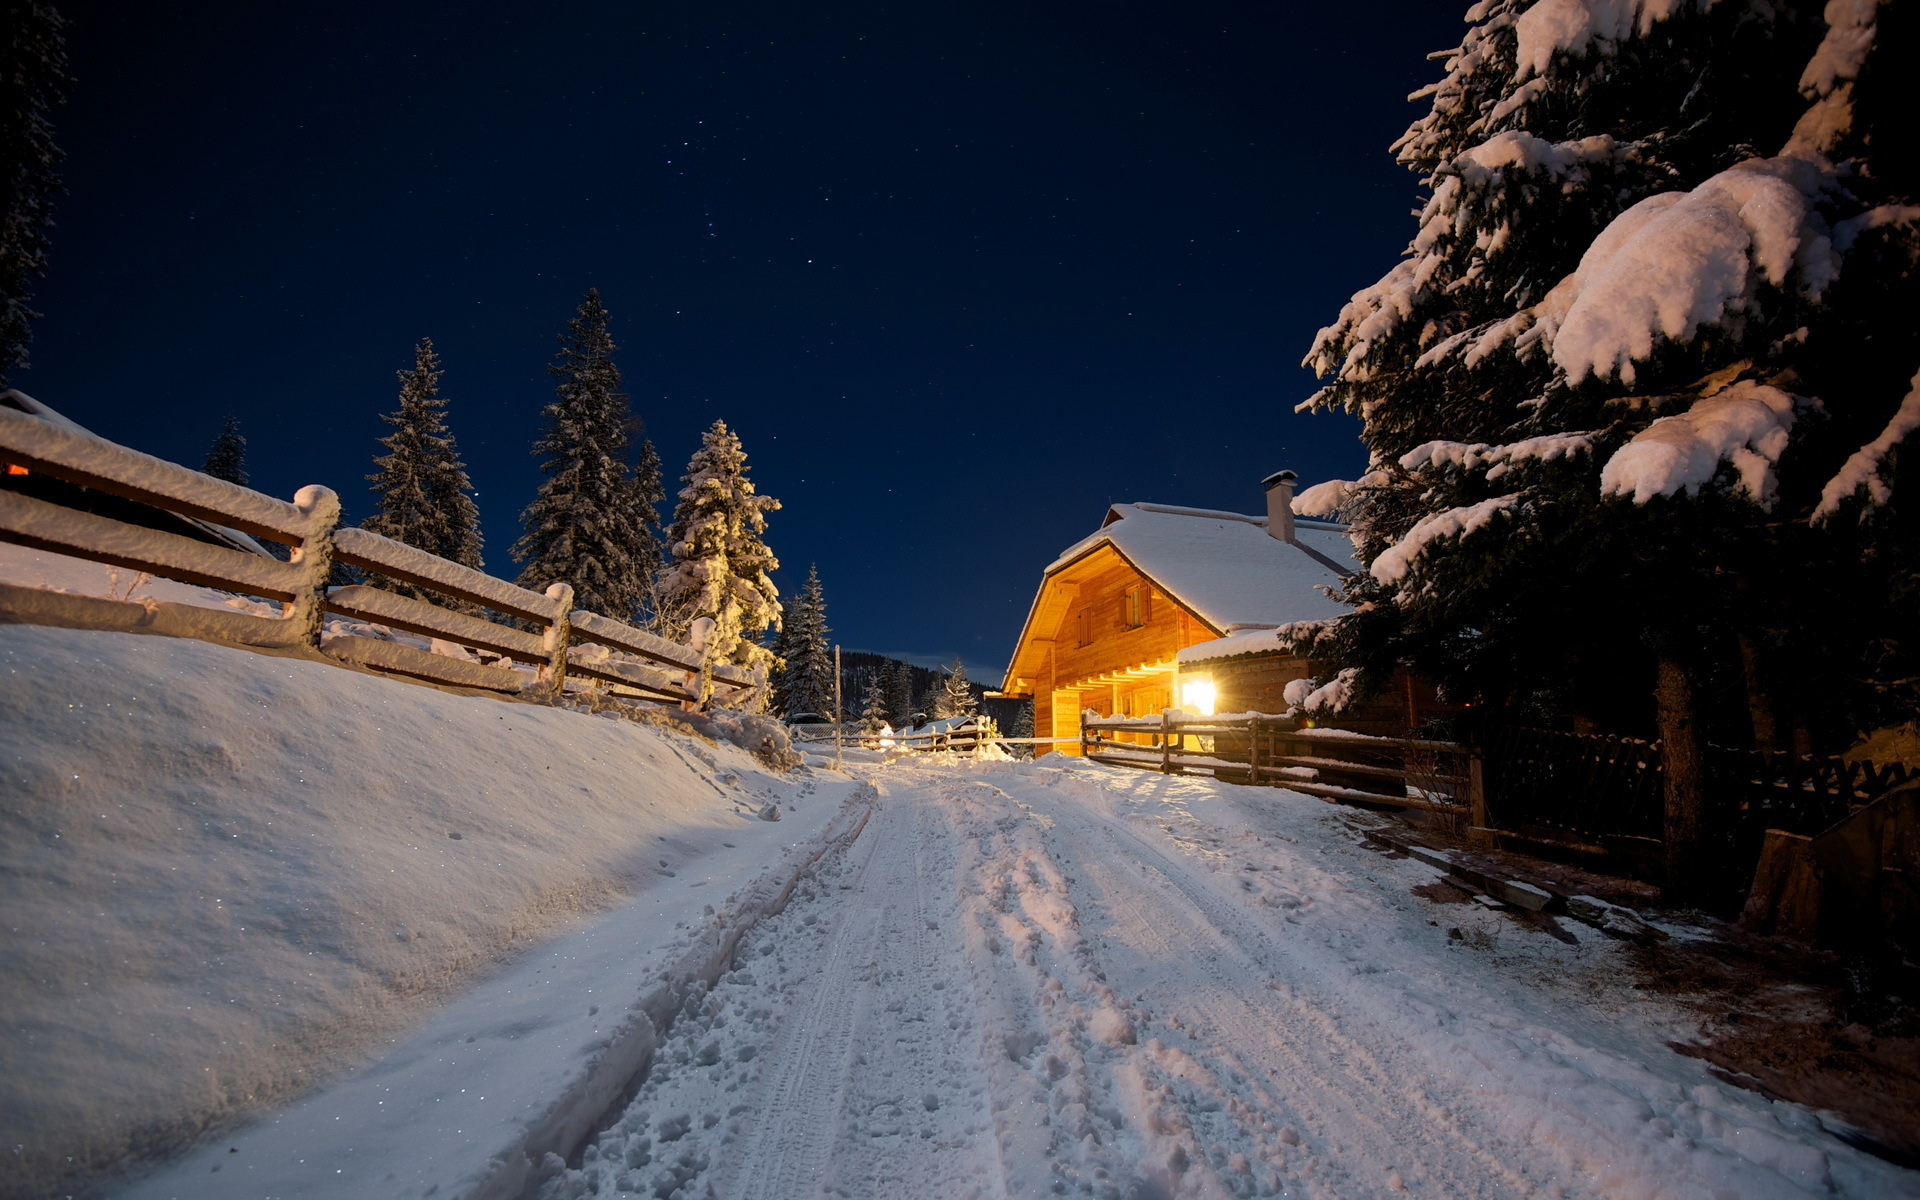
(1257, 683)
(1086, 612)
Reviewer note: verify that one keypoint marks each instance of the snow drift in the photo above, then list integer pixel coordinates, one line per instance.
(226, 875)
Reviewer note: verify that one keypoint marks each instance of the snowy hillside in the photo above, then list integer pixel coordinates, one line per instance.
(227, 876)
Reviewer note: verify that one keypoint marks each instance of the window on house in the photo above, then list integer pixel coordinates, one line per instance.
(1085, 620)
(1133, 608)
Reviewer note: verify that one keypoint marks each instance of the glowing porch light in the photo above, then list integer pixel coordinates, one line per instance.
(1197, 695)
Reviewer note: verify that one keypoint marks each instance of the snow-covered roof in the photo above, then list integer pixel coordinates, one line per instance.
(1225, 566)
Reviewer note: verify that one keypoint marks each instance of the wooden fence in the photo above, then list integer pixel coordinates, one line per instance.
(965, 739)
(540, 629)
(1334, 764)
(1591, 795)
(1602, 793)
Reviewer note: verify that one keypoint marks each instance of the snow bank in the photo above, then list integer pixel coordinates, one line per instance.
(1747, 425)
(227, 875)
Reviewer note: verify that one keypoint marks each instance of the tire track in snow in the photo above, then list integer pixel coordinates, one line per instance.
(1257, 1011)
(920, 1055)
(802, 1111)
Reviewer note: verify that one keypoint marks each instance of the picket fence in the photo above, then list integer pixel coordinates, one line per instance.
(473, 609)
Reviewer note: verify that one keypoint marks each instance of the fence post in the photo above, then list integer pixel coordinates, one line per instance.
(314, 556)
(1166, 741)
(1479, 831)
(1253, 750)
(558, 634)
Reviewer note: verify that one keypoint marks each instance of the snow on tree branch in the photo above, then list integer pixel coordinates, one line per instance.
(1397, 560)
(1576, 27)
(1496, 459)
(1863, 468)
(1747, 425)
(1681, 261)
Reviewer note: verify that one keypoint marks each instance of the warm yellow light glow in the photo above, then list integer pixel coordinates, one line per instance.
(1196, 695)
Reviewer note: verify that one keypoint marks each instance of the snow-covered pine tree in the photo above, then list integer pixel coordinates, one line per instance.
(928, 703)
(423, 492)
(873, 715)
(803, 682)
(591, 524)
(649, 489)
(956, 698)
(1022, 728)
(720, 560)
(33, 82)
(899, 685)
(1602, 393)
(227, 457)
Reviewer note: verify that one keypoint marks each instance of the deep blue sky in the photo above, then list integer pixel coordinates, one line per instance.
(960, 273)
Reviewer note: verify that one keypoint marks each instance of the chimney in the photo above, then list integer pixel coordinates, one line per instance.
(1279, 486)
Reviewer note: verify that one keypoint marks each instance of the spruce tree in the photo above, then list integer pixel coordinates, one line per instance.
(874, 717)
(803, 682)
(422, 489)
(720, 560)
(899, 685)
(1606, 395)
(591, 522)
(227, 457)
(649, 490)
(33, 82)
(956, 699)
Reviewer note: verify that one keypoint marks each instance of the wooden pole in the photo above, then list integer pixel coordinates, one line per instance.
(314, 557)
(1166, 741)
(559, 633)
(839, 718)
(1480, 830)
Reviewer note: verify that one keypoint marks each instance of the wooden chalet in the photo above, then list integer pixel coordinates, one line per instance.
(1126, 620)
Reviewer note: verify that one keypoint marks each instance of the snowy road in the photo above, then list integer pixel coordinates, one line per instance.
(1030, 980)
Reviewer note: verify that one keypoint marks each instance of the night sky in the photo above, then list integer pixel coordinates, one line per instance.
(960, 274)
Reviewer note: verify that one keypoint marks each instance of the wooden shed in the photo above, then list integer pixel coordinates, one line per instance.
(1116, 610)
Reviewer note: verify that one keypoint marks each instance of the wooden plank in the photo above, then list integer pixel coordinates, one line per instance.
(1354, 768)
(405, 660)
(1330, 792)
(95, 462)
(370, 551)
(430, 620)
(1785, 898)
(661, 684)
(44, 526)
(64, 610)
(625, 638)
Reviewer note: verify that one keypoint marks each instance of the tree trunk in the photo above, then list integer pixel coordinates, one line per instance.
(1684, 767)
(1766, 733)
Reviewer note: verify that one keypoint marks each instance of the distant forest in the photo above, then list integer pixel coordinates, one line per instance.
(860, 671)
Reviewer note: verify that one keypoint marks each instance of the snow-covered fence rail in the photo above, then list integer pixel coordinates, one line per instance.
(958, 737)
(1261, 748)
(617, 654)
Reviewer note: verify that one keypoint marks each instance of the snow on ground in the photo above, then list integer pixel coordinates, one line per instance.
(1067, 979)
(226, 876)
